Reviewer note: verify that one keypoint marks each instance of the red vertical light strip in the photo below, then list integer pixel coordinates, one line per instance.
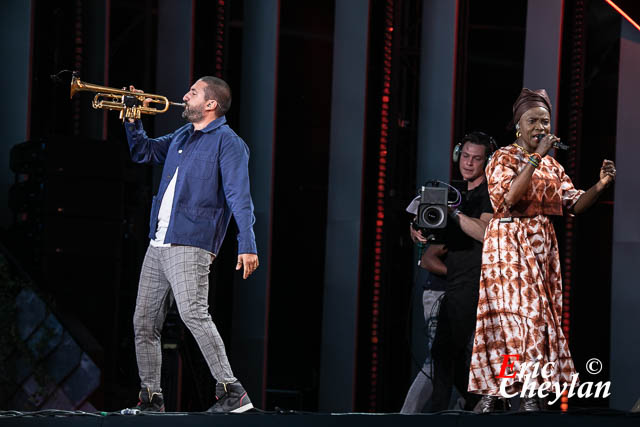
(576, 98)
(381, 180)
(219, 39)
(559, 62)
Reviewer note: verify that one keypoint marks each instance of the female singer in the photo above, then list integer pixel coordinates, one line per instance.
(520, 299)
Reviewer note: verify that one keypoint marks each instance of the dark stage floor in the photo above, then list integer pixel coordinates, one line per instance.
(459, 419)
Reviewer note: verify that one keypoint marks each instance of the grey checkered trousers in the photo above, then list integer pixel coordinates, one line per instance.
(181, 271)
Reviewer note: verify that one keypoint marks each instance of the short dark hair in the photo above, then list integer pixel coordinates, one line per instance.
(480, 138)
(218, 90)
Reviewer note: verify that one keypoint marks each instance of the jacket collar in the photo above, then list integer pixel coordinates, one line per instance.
(211, 126)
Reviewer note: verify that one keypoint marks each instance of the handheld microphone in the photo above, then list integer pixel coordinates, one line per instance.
(557, 144)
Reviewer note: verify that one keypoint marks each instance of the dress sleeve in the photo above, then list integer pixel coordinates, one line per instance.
(501, 171)
(568, 192)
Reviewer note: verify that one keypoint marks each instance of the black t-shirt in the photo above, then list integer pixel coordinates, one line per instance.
(464, 256)
(434, 282)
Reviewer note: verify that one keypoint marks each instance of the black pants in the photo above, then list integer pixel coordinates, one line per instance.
(452, 347)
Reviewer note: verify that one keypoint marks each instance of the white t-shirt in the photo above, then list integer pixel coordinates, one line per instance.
(164, 214)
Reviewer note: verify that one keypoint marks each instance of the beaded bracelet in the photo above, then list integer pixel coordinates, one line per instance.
(537, 156)
(532, 161)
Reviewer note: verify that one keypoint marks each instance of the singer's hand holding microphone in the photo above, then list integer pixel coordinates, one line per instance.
(545, 142)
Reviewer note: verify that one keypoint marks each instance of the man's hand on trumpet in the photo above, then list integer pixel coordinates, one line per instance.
(146, 101)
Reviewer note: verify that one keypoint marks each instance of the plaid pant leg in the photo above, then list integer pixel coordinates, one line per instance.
(187, 269)
(152, 303)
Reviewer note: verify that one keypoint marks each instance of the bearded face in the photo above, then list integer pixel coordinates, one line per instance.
(193, 113)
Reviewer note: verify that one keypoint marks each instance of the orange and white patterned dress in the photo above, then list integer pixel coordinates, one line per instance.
(520, 298)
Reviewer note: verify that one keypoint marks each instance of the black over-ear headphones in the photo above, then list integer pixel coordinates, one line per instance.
(479, 138)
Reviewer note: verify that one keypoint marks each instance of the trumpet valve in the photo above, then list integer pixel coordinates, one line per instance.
(130, 113)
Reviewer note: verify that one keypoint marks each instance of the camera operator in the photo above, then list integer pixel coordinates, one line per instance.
(432, 287)
(459, 258)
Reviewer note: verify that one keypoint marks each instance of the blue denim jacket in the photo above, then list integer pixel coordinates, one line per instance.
(213, 183)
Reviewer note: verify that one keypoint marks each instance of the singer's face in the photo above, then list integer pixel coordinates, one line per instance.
(533, 122)
(472, 159)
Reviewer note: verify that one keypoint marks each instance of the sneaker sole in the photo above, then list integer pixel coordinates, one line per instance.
(243, 408)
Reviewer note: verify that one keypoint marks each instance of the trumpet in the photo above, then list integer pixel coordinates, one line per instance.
(130, 104)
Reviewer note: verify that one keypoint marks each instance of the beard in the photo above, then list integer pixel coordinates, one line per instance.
(193, 114)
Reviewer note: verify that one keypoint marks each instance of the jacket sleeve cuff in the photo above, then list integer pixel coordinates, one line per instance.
(247, 243)
(133, 128)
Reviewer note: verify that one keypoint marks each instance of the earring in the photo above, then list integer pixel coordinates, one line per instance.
(518, 134)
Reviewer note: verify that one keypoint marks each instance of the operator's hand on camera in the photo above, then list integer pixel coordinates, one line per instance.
(416, 235)
(453, 214)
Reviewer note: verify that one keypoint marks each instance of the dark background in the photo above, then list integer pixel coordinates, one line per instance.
(80, 219)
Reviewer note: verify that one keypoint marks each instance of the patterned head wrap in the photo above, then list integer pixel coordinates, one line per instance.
(529, 99)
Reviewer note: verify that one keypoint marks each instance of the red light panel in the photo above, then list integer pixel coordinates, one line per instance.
(623, 13)
(380, 200)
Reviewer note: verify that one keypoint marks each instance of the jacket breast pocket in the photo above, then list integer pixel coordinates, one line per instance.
(200, 168)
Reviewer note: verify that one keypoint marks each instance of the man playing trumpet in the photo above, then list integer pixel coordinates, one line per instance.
(205, 180)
